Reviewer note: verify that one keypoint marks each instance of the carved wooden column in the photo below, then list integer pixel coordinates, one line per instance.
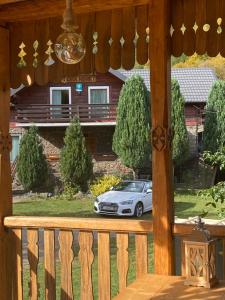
(160, 68)
(6, 264)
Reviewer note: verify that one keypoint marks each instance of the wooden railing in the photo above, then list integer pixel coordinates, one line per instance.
(45, 113)
(58, 242)
(51, 245)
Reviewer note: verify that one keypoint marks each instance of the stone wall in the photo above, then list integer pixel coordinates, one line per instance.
(111, 167)
(193, 139)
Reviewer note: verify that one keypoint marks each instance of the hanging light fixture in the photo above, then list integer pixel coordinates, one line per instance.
(70, 46)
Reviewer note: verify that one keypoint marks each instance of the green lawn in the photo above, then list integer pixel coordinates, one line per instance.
(187, 204)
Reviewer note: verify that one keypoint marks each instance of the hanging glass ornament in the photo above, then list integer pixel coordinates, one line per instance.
(70, 46)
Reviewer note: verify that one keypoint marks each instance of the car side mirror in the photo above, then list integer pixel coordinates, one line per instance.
(148, 191)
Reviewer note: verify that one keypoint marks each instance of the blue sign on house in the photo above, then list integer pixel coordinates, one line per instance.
(79, 87)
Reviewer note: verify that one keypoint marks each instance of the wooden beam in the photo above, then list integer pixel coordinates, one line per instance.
(38, 9)
(6, 261)
(161, 160)
(3, 2)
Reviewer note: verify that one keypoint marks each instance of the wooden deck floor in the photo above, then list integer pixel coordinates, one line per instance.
(168, 288)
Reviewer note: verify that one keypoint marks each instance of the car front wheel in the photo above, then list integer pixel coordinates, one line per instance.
(138, 212)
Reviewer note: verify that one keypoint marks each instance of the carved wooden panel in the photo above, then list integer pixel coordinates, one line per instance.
(196, 26)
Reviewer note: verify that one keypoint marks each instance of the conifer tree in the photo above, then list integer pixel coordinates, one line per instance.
(131, 137)
(180, 135)
(75, 161)
(32, 167)
(214, 129)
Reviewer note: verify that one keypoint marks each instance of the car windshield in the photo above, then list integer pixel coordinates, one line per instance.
(129, 186)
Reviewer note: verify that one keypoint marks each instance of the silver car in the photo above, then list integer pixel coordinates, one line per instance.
(128, 198)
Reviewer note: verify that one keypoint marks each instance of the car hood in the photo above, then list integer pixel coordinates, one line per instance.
(117, 196)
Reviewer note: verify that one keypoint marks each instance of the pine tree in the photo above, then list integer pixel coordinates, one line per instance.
(32, 167)
(75, 161)
(131, 137)
(180, 134)
(214, 130)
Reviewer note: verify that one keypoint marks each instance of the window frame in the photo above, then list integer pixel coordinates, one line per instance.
(61, 88)
(97, 87)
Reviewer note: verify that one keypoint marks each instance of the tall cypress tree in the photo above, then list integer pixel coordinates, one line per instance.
(75, 161)
(180, 134)
(214, 129)
(131, 137)
(32, 165)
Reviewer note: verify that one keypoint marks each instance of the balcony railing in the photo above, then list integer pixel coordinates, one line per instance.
(45, 113)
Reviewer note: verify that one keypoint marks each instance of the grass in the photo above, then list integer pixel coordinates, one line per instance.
(187, 204)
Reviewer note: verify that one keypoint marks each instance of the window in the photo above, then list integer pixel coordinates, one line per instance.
(60, 96)
(15, 147)
(98, 94)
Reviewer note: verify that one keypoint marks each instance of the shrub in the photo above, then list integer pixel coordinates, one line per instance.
(69, 192)
(216, 194)
(32, 168)
(103, 184)
(131, 137)
(75, 161)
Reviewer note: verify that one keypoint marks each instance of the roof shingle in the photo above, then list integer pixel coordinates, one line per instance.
(195, 83)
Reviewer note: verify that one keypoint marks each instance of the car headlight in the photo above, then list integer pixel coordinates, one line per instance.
(97, 200)
(127, 202)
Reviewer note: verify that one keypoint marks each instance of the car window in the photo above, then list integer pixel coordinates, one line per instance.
(129, 186)
(148, 186)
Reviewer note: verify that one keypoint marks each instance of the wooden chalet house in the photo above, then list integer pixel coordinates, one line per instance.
(93, 99)
(116, 32)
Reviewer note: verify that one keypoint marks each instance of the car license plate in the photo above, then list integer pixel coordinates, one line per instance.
(110, 208)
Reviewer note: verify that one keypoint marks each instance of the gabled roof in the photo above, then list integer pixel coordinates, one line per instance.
(195, 83)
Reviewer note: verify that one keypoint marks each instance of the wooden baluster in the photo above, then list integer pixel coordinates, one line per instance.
(66, 257)
(104, 279)
(122, 259)
(141, 243)
(32, 239)
(86, 259)
(49, 258)
(18, 272)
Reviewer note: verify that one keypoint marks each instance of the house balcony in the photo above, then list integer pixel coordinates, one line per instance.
(60, 115)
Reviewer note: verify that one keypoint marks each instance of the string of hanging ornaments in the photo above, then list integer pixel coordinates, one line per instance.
(70, 47)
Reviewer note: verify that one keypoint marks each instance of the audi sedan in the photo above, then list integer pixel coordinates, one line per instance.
(128, 198)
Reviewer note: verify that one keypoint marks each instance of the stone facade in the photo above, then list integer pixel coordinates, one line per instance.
(194, 143)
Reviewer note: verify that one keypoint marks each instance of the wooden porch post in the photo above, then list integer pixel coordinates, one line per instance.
(160, 66)
(6, 264)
